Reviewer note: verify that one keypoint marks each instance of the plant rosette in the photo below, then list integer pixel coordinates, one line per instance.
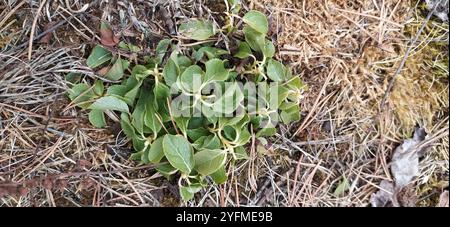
(192, 114)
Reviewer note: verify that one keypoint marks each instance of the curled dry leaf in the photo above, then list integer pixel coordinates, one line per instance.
(166, 17)
(7, 189)
(384, 196)
(103, 71)
(390, 196)
(107, 36)
(405, 161)
(404, 167)
(443, 200)
(49, 182)
(47, 37)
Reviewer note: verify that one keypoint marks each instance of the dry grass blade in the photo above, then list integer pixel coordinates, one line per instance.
(33, 28)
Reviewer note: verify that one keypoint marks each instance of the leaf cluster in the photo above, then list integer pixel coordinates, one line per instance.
(197, 148)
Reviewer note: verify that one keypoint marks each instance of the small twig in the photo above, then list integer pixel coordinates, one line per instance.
(84, 8)
(251, 168)
(33, 28)
(337, 140)
(297, 173)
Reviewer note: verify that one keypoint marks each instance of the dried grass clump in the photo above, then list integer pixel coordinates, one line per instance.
(348, 51)
(421, 93)
(49, 153)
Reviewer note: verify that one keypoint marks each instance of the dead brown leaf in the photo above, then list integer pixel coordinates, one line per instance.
(166, 17)
(107, 36)
(47, 37)
(103, 70)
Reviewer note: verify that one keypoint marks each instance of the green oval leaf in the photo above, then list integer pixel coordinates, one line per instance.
(133, 87)
(117, 90)
(240, 153)
(220, 176)
(170, 73)
(244, 137)
(109, 103)
(244, 51)
(209, 161)
(73, 77)
(161, 91)
(215, 71)
(211, 52)
(295, 83)
(156, 152)
(257, 21)
(187, 192)
(182, 123)
(255, 40)
(212, 142)
(268, 49)
(79, 94)
(98, 87)
(235, 5)
(342, 187)
(116, 71)
(98, 56)
(166, 170)
(275, 71)
(230, 100)
(197, 29)
(161, 49)
(209, 142)
(179, 152)
(150, 119)
(195, 134)
(191, 78)
(126, 126)
(137, 117)
(290, 114)
(140, 72)
(266, 132)
(97, 118)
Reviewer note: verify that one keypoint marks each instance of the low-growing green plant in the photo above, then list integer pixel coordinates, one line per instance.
(193, 111)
